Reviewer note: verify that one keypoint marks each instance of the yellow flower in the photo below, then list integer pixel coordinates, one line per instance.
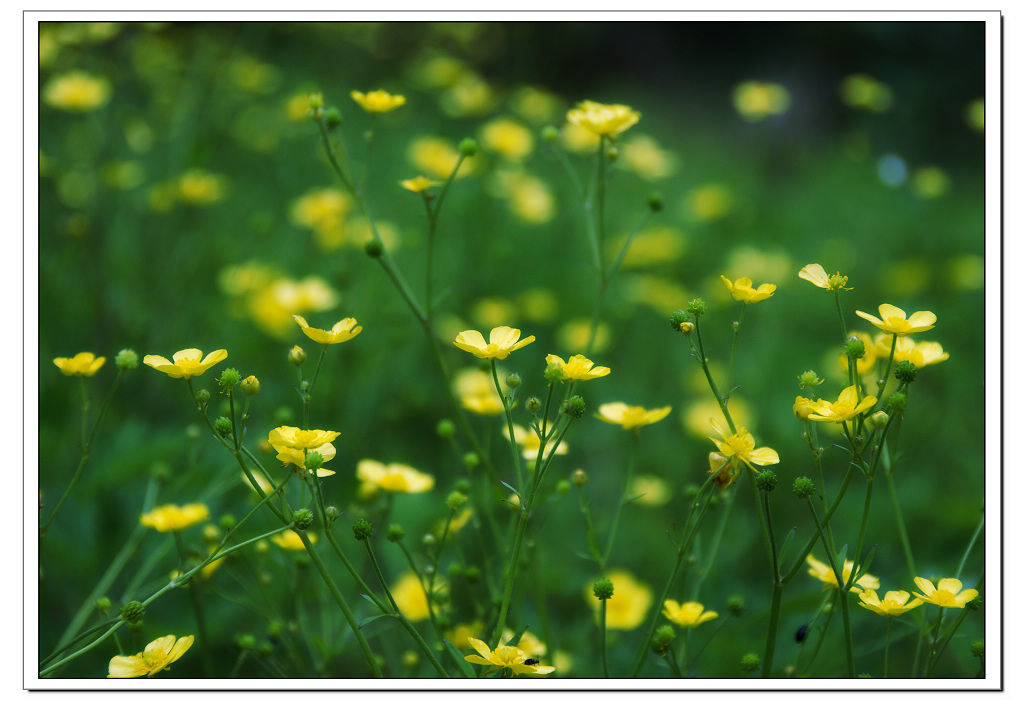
(578, 368)
(175, 518)
(649, 491)
(503, 340)
(815, 274)
(743, 290)
(804, 407)
(438, 157)
(512, 658)
(756, 100)
(894, 604)
(187, 362)
(410, 597)
(82, 364)
(291, 541)
(77, 91)
(391, 477)
(689, 614)
(823, 572)
(721, 469)
(741, 446)
(629, 604)
(344, 330)
(292, 445)
(642, 155)
(158, 656)
(265, 485)
(948, 593)
(845, 408)
(631, 416)
(419, 184)
(378, 102)
(508, 138)
(476, 390)
(603, 119)
(895, 320)
(201, 188)
(529, 443)
(920, 354)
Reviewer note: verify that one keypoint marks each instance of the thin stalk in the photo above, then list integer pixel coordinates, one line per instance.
(622, 500)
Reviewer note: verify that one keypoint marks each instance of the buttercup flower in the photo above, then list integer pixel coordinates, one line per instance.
(948, 593)
(410, 597)
(895, 320)
(578, 368)
(344, 330)
(419, 184)
(476, 390)
(741, 445)
(815, 274)
(175, 518)
(504, 657)
(804, 407)
(82, 364)
(292, 445)
(292, 541)
(845, 408)
(603, 119)
(893, 605)
(186, 363)
(743, 290)
(391, 477)
(920, 354)
(689, 614)
(823, 572)
(721, 469)
(76, 91)
(628, 606)
(378, 102)
(159, 655)
(503, 340)
(631, 416)
(529, 443)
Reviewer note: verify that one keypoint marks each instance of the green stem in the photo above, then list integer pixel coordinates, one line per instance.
(622, 500)
(604, 637)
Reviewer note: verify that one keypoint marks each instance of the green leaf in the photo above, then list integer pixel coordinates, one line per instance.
(460, 661)
(786, 545)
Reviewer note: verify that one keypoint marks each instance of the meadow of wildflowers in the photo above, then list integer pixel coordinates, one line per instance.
(386, 350)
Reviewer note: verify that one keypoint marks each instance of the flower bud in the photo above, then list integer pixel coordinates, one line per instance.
(302, 519)
(803, 487)
(533, 404)
(251, 385)
(553, 372)
(655, 202)
(455, 501)
(663, 638)
(223, 426)
(374, 248)
(513, 380)
(697, 307)
(808, 379)
(898, 402)
(468, 147)
(446, 429)
(410, 659)
(750, 662)
(906, 372)
(575, 407)
(678, 319)
(471, 460)
(127, 359)
(296, 356)
(549, 134)
(202, 396)
(429, 540)
(735, 605)
(978, 648)
(316, 101)
(332, 513)
(103, 605)
(227, 522)
(579, 477)
(245, 641)
(314, 460)
(613, 153)
(878, 420)
(132, 612)
(229, 379)
(473, 574)
(766, 480)
(463, 485)
(604, 589)
(854, 348)
(362, 529)
(396, 532)
(563, 487)
(332, 117)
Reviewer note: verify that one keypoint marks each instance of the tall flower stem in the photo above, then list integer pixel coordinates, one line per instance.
(622, 500)
(604, 637)
(844, 601)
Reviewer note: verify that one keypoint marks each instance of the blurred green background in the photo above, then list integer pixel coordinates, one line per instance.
(184, 201)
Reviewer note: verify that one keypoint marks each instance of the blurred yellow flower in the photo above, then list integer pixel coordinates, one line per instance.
(823, 572)
(82, 364)
(199, 187)
(703, 409)
(265, 484)
(391, 477)
(603, 119)
(322, 209)
(578, 367)
(657, 293)
(930, 182)
(344, 330)
(865, 364)
(528, 642)
(743, 290)
(419, 184)
(187, 362)
(843, 409)
(273, 306)
(529, 443)
(492, 312)
(689, 614)
(291, 541)
(974, 115)
(755, 100)
(578, 139)
(175, 518)
(631, 416)
(947, 594)
(895, 321)
(508, 138)
(379, 101)
(468, 95)
(476, 391)
(920, 354)
(158, 656)
(459, 637)
(410, 597)
(575, 334)
(539, 305)
(649, 491)
(860, 91)
(534, 104)
(646, 158)
(893, 605)
(741, 446)
(503, 340)
(530, 199)
(628, 605)
(437, 157)
(512, 658)
(77, 92)
(709, 202)
(653, 247)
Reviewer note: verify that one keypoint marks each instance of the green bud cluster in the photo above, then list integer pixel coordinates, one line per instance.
(803, 487)
(296, 356)
(878, 420)
(251, 385)
(302, 519)
(446, 429)
(553, 372)
(655, 202)
(579, 477)
(132, 612)
(127, 359)
(735, 605)
(697, 307)
(332, 117)
(575, 407)
(808, 379)
(202, 396)
(750, 662)
(223, 426)
(678, 319)
(974, 604)
(374, 248)
(362, 529)
(229, 379)
(906, 372)
(978, 648)
(533, 404)
(455, 501)
(663, 638)
(855, 348)
(549, 134)
(898, 402)
(766, 480)
(604, 589)
(396, 532)
(468, 147)
(513, 380)
(313, 460)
